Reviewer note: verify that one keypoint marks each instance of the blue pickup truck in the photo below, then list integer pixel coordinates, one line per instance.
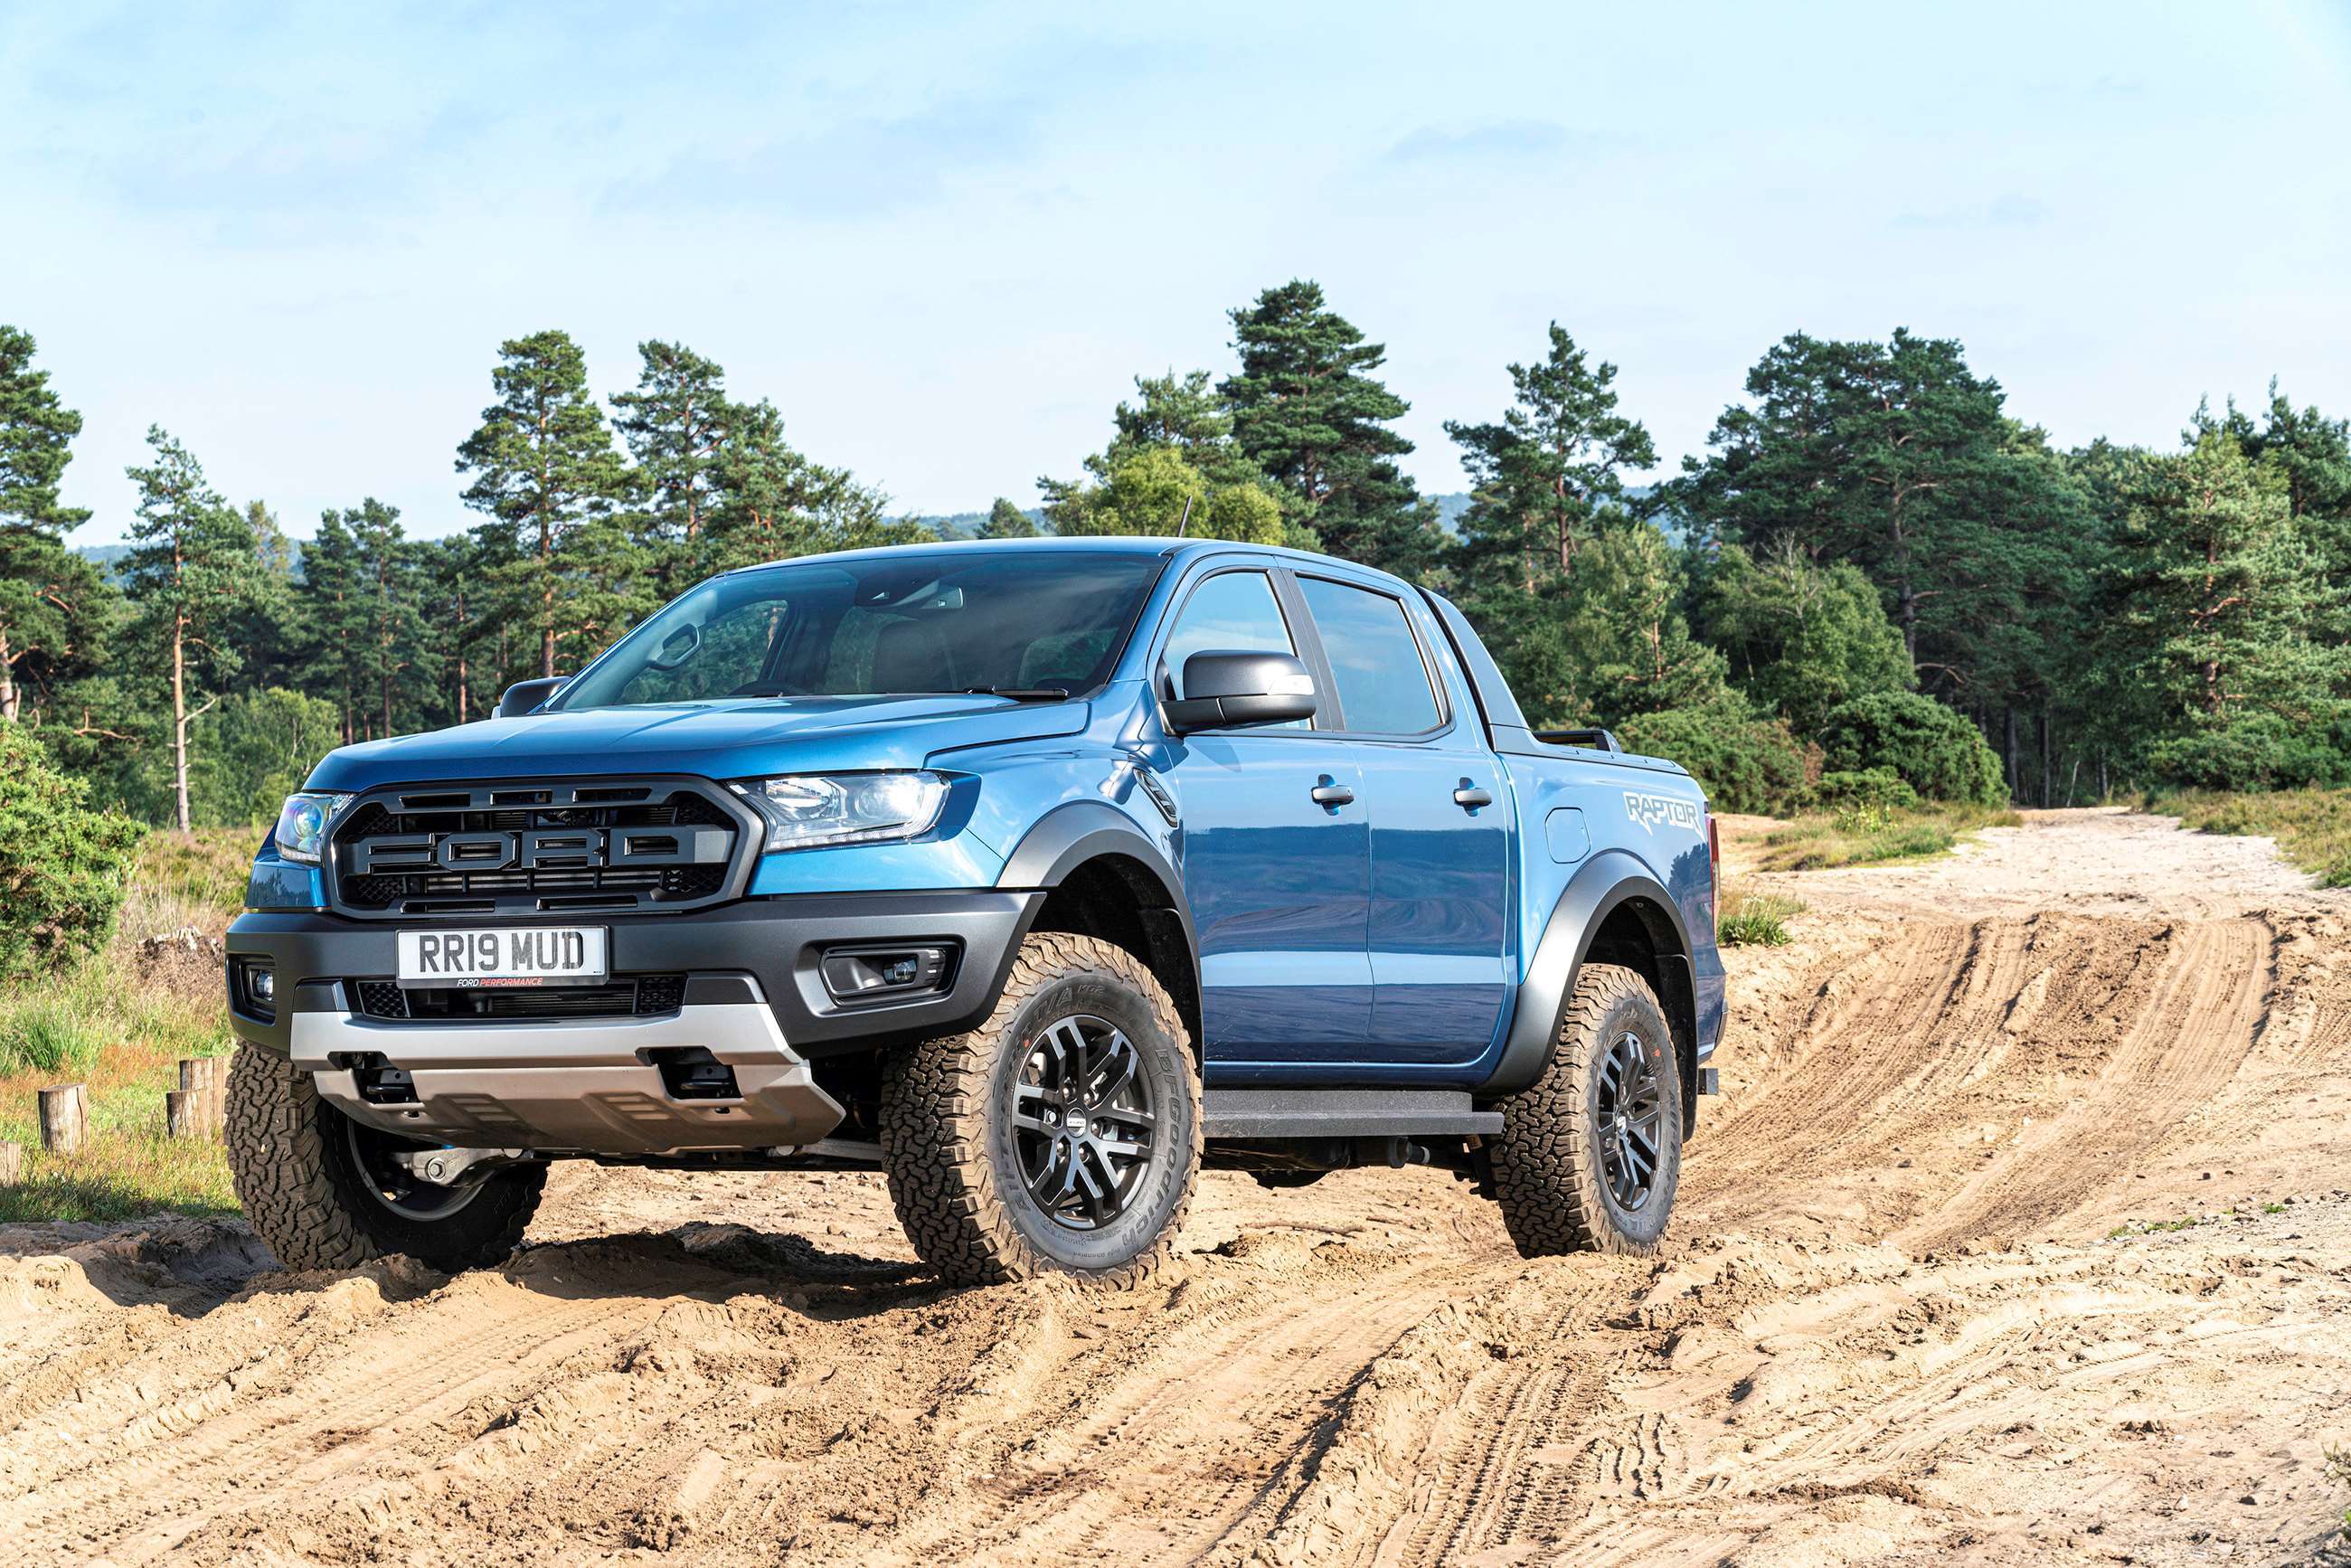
(1040, 874)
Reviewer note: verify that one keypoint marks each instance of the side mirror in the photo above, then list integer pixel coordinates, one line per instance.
(1223, 690)
(676, 648)
(525, 696)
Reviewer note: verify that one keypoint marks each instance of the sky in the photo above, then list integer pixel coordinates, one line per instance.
(944, 240)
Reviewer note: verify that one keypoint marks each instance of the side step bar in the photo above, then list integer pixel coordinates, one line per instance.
(1341, 1114)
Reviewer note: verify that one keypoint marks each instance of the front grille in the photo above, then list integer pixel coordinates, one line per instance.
(631, 995)
(539, 848)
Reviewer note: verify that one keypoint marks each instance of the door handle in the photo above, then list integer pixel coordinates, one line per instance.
(1469, 797)
(1331, 796)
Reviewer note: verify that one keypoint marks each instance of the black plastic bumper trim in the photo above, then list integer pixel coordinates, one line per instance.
(775, 941)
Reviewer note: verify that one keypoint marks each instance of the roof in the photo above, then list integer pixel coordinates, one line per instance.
(1115, 544)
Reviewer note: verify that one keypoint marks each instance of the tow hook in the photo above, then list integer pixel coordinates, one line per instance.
(459, 1167)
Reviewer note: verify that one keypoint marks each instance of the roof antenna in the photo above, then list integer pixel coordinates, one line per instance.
(1185, 520)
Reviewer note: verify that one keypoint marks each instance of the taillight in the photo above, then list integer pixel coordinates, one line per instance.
(1713, 869)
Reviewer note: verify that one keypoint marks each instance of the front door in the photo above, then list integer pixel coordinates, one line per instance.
(1276, 855)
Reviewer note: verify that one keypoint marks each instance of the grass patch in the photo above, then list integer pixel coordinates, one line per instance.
(2312, 827)
(121, 1025)
(206, 869)
(1874, 835)
(1756, 919)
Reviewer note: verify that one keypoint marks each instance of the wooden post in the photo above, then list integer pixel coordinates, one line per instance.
(65, 1118)
(201, 1078)
(183, 1113)
(12, 1163)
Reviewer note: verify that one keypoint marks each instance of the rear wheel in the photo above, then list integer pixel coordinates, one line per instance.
(1062, 1135)
(1590, 1156)
(327, 1192)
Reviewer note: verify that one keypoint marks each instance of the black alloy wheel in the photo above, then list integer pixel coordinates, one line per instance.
(1082, 1121)
(1629, 1115)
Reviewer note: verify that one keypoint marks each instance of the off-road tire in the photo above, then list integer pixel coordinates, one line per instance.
(305, 1197)
(947, 1145)
(1548, 1162)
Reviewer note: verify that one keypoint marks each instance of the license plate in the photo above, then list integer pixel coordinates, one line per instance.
(530, 955)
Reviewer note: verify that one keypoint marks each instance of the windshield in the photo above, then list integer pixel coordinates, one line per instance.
(952, 620)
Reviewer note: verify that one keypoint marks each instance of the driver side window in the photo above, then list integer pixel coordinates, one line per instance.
(1231, 611)
(732, 653)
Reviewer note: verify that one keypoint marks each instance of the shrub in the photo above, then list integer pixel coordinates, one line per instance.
(1744, 763)
(1756, 920)
(2261, 751)
(1937, 750)
(1878, 787)
(63, 867)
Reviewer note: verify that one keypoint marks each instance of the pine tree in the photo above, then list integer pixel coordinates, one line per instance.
(453, 600)
(394, 659)
(2224, 590)
(191, 565)
(1307, 412)
(1007, 521)
(548, 476)
(334, 620)
(675, 425)
(51, 599)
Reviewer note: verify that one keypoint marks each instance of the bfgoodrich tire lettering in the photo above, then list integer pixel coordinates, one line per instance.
(298, 1174)
(1590, 1155)
(960, 1120)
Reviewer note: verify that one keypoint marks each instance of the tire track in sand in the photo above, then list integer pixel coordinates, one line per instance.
(2191, 1037)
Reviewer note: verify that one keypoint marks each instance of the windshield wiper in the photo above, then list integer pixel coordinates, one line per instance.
(1020, 694)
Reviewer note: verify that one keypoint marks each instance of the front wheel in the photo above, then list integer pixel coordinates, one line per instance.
(1061, 1136)
(325, 1191)
(1590, 1156)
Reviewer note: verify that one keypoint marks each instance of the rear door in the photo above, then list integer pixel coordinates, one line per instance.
(1440, 895)
(1276, 851)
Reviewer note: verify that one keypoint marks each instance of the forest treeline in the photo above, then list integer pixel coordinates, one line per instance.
(1875, 563)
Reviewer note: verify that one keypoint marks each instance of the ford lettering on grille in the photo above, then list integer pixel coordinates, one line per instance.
(544, 849)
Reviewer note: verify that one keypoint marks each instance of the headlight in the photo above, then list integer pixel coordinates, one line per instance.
(804, 809)
(302, 824)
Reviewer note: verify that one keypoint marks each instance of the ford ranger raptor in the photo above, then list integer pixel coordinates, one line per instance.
(1040, 874)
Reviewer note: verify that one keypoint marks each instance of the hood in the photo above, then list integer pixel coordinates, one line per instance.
(736, 739)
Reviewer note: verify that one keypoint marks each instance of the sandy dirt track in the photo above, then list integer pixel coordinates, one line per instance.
(1894, 1324)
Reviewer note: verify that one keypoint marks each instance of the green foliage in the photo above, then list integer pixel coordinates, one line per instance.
(1756, 919)
(63, 866)
(2227, 604)
(1611, 642)
(51, 599)
(1800, 637)
(1933, 748)
(255, 749)
(1309, 415)
(1744, 762)
(1878, 788)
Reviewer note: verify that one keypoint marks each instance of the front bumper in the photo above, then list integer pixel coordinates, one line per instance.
(754, 998)
(587, 1083)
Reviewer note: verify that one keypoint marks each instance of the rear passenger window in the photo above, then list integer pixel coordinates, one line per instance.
(1382, 684)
